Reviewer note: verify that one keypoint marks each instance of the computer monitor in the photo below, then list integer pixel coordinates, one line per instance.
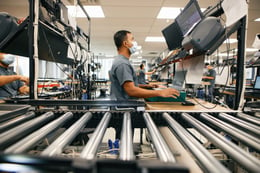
(173, 36)
(257, 83)
(189, 17)
(179, 79)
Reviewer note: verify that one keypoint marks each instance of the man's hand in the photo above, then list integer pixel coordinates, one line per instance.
(169, 92)
(24, 79)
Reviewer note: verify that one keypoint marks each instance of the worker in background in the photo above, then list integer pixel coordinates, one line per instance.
(124, 83)
(210, 78)
(11, 84)
(141, 75)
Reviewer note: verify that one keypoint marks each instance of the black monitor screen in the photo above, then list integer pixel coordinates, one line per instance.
(179, 79)
(173, 36)
(189, 17)
(257, 82)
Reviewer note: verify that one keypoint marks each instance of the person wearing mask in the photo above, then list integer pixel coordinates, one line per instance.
(11, 84)
(210, 78)
(141, 75)
(124, 82)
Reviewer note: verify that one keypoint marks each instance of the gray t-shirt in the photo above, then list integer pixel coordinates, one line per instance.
(10, 89)
(212, 73)
(141, 77)
(121, 71)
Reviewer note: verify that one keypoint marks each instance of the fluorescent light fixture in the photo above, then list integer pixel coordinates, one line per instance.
(110, 56)
(136, 60)
(257, 20)
(94, 11)
(139, 47)
(169, 12)
(155, 39)
(231, 40)
(251, 50)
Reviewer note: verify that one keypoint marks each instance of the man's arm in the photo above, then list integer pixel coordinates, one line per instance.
(148, 86)
(208, 77)
(151, 72)
(134, 91)
(10, 78)
(24, 89)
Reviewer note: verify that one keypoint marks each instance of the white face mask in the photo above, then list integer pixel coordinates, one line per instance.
(7, 59)
(133, 49)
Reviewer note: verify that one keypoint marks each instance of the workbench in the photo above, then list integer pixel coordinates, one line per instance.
(200, 106)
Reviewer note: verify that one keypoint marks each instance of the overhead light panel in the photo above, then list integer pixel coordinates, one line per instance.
(251, 50)
(231, 40)
(257, 20)
(155, 39)
(94, 11)
(169, 12)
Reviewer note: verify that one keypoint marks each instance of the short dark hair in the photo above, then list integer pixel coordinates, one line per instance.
(119, 37)
(141, 66)
(206, 64)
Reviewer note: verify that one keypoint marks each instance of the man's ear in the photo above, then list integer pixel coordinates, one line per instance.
(125, 43)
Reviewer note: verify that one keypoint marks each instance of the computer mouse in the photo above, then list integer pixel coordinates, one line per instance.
(187, 103)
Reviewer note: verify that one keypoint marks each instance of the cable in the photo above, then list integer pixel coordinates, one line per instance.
(50, 51)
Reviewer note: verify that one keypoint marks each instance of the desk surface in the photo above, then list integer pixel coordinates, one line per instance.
(201, 106)
(250, 95)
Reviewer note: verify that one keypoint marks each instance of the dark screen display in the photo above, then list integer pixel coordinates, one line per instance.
(173, 36)
(179, 79)
(189, 17)
(257, 82)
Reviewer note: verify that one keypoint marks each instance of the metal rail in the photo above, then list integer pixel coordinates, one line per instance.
(126, 144)
(162, 149)
(32, 139)
(57, 146)
(90, 150)
(239, 155)
(14, 134)
(243, 124)
(18, 120)
(233, 131)
(206, 159)
(249, 118)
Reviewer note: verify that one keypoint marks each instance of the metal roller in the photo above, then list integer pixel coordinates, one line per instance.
(245, 125)
(18, 120)
(206, 159)
(249, 118)
(16, 133)
(66, 138)
(90, 150)
(126, 144)
(162, 149)
(233, 131)
(245, 159)
(32, 139)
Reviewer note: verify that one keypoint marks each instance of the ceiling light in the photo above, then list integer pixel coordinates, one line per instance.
(139, 47)
(257, 20)
(251, 50)
(169, 12)
(231, 40)
(94, 11)
(155, 39)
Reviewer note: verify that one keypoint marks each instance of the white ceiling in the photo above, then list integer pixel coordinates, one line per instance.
(137, 16)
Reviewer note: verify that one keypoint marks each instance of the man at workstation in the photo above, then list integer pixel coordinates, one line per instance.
(141, 74)
(124, 84)
(210, 78)
(11, 84)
